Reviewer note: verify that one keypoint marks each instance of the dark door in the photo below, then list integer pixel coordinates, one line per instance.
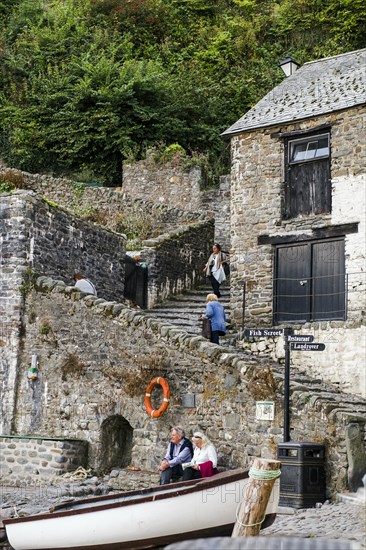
(136, 281)
(293, 283)
(307, 179)
(328, 280)
(309, 283)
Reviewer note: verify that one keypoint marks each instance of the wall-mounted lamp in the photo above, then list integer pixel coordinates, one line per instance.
(32, 372)
(288, 66)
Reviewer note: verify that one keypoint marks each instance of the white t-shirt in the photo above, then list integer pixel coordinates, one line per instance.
(203, 455)
(86, 286)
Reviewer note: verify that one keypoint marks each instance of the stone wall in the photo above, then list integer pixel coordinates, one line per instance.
(126, 480)
(176, 260)
(257, 187)
(26, 459)
(106, 203)
(170, 184)
(37, 237)
(216, 202)
(185, 250)
(98, 357)
(52, 242)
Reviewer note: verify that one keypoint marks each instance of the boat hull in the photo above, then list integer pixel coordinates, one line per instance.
(138, 519)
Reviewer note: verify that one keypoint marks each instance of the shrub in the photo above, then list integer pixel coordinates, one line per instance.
(137, 224)
(10, 180)
(165, 154)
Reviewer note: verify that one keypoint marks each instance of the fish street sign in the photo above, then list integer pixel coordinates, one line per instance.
(306, 346)
(300, 338)
(253, 332)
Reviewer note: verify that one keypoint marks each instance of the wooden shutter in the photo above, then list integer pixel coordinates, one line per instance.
(309, 188)
(307, 177)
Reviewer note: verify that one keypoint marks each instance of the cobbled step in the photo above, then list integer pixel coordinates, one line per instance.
(185, 310)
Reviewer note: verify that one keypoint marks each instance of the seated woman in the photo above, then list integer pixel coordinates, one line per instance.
(204, 461)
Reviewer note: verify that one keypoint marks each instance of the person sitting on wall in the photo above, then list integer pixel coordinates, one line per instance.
(179, 450)
(204, 461)
(83, 284)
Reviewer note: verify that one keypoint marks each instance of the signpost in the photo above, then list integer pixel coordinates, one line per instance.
(300, 338)
(286, 397)
(300, 342)
(267, 332)
(314, 346)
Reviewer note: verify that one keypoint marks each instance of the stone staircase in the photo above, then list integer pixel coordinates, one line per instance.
(184, 310)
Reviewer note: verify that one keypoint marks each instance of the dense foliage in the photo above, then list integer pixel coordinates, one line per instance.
(86, 84)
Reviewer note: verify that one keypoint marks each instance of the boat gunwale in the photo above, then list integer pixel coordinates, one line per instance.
(181, 489)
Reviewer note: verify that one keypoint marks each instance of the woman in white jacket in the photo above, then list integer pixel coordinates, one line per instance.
(204, 461)
(214, 268)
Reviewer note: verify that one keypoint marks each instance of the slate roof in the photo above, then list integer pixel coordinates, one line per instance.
(316, 88)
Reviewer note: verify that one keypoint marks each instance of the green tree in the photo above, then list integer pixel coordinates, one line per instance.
(85, 84)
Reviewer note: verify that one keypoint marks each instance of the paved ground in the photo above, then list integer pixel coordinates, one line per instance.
(340, 520)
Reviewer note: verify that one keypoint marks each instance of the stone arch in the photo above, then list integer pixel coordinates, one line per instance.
(116, 442)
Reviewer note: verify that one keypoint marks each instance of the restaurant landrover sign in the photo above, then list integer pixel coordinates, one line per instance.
(300, 338)
(305, 346)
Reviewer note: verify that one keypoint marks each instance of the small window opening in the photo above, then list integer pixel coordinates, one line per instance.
(309, 149)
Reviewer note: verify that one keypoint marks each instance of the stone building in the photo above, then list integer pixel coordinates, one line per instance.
(298, 215)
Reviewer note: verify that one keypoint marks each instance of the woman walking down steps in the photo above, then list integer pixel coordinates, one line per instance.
(214, 269)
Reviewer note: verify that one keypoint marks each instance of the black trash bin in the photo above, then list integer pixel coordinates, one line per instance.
(302, 481)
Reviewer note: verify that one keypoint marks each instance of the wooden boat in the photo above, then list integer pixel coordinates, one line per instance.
(139, 519)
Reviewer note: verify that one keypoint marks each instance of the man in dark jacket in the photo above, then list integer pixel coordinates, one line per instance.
(179, 450)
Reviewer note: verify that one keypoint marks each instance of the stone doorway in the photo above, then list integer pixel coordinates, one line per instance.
(116, 442)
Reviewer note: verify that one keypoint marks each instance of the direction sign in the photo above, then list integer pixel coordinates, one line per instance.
(252, 332)
(304, 346)
(300, 338)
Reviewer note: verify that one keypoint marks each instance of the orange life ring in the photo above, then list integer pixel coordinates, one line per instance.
(159, 381)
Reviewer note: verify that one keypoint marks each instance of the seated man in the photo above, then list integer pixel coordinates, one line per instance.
(83, 284)
(179, 450)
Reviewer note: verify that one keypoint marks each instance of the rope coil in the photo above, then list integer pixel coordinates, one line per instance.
(263, 475)
(247, 524)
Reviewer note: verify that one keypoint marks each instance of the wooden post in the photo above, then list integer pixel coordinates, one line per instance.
(252, 508)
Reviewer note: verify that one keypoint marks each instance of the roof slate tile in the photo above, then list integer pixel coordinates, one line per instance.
(316, 88)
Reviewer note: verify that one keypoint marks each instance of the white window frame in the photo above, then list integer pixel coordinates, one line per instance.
(308, 140)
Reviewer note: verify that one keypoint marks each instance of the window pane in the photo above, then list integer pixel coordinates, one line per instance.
(323, 147)
(298, 152)
(309, 149)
